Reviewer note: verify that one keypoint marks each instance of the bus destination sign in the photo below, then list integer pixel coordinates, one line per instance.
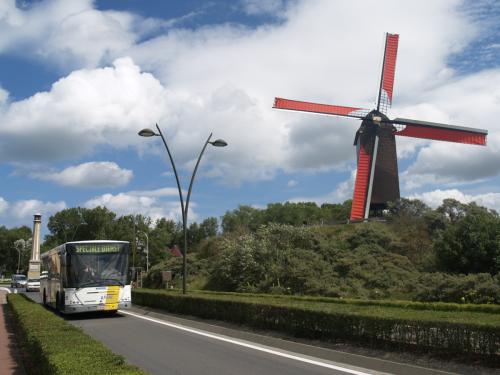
(93, 248)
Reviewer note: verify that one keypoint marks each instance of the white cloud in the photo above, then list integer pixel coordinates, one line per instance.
(88, 108)
(343, 192)
(147, 202)
(20, 212)
(157, 193)
(23, 210)
(70, 33)
(471, 101)
(4, 205)
(292, 183)
(91, 174)
(435, 198)
(73, 34)
(4, 96)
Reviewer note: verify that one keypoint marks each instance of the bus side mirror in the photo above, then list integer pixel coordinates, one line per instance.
(132, 274)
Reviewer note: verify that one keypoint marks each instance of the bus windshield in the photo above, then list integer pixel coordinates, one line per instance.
(96, 264)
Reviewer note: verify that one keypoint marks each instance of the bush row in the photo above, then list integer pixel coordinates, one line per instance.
(373, 330)
(53, 346)
(435, 306)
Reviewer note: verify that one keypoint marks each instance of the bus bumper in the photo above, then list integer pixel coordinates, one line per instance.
(74, 309)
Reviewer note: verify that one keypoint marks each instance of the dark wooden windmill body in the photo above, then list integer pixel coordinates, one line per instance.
(377, 181)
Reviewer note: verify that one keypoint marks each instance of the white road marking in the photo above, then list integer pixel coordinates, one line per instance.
(6, 289)
(250, 345)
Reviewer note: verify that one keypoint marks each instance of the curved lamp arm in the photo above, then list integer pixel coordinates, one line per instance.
(184, 219)
(194, 172)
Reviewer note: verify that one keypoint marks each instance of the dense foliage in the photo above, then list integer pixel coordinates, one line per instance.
(449, 254)
(305, 213)
(53, 346)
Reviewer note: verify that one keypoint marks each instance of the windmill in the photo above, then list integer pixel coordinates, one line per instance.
(377, 180)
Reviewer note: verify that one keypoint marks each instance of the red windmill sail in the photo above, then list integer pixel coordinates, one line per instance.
(388, 72)
(377, 180)
(361, 184)
(327, 109)
(441, 132)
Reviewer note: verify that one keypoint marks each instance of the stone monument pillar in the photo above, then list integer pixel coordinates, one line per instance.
(34, 268)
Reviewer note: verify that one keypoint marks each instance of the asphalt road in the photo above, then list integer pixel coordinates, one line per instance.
(164, 344)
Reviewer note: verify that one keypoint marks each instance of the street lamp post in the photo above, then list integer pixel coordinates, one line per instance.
(147, 250)
(184, 208)
(19, 245)
(18, 258)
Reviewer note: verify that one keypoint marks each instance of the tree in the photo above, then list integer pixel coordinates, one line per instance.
(471, 243)
(452, 210)
(165, 234)
(79, 224)
(199, 232)
(408, 208)
(244, 218)
(301, 213)
(209, 227)
(23, 247)
(8, 252)
(335, 213)
(412, 219)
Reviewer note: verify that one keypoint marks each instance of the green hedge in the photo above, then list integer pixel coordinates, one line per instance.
(375, 327)
(53, 346)
(436, 306)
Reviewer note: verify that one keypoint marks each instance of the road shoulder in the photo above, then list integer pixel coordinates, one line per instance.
(10, 357)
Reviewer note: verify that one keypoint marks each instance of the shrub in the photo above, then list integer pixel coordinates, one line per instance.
(474, 288)
(57, 347)
(371, 234)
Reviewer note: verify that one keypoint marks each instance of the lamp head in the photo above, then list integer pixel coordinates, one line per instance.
(147, 133)
(219, 143)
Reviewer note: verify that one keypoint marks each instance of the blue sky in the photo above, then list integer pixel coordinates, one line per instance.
(78, 80)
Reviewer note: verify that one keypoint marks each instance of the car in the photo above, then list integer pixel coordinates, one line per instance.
(33, 285)
(18, 281)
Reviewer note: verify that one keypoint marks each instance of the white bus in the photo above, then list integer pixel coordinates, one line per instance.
(86, 276)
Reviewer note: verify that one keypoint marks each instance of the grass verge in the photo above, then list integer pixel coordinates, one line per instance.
(465, 333)
(53, 346)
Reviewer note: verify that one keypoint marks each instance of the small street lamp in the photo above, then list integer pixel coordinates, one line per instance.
(20, 245)
(184, 208)
(147, 249)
